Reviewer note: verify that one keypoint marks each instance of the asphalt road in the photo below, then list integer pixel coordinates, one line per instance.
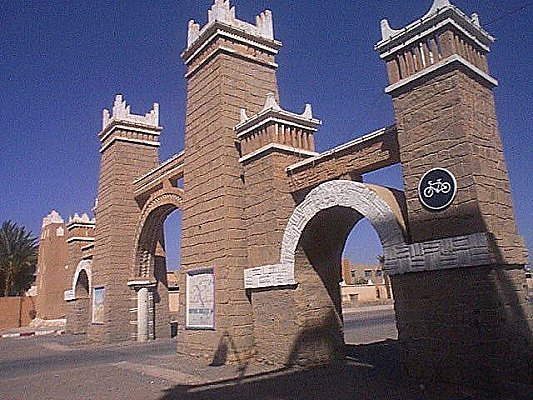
(64, 367)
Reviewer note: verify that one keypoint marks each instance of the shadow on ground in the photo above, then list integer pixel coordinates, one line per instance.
(371, 372)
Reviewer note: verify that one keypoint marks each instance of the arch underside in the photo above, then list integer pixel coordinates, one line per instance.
(150, 242)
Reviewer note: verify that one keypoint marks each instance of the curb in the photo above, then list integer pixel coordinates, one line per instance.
(33, 333)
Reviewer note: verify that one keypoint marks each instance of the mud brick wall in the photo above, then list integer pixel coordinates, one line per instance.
(450, 121)
(470, 325)
(117, 215)
(213, 230)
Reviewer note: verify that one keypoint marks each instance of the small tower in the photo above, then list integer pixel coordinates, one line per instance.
(52, 268)
(458, 197)
(230, 66)
(129, 148)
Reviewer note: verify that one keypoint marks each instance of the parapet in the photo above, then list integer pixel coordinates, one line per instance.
(53, 218)
(443, 38)
(222, 12)
(121, 112)
(442, 12)
(83, 220)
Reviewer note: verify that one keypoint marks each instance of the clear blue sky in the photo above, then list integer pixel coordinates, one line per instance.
(62, 62)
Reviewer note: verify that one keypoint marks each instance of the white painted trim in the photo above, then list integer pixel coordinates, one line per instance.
(416, 38)
(277, 146)
(129, 140)
(80, 239)
(222, 32)
(291, 122)
(83, 265)
(437, 66)
(337, 149)
(143, 283)
(79, 225)
(156, 131)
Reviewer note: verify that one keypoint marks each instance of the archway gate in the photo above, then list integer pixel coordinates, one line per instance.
(265, 216)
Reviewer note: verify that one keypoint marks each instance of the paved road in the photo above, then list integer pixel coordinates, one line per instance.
(63, 367)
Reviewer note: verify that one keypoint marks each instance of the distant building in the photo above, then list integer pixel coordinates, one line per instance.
(364, 284)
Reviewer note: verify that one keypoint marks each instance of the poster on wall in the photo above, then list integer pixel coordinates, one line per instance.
(200, 299)
(98, 305)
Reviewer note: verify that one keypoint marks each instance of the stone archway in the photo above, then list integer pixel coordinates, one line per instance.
(80, 304)
(312, 247)
(383, 207)
(148, 278)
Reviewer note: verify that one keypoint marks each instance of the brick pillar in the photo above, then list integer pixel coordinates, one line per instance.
(468, 321)
(128, 150)
(231, 66)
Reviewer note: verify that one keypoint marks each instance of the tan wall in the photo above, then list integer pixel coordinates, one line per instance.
(51, 273)
(361, 294)
(16, 311)
(214, 230)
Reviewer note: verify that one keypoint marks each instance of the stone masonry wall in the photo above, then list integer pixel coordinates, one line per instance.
(269, 205)
(117, 215)
(465, 325)
(213, 230)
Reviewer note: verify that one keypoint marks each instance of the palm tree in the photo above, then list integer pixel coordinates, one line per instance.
(18, 258)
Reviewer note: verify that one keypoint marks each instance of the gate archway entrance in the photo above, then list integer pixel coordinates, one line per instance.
(312, 248)
(149, 314)
(81, 302)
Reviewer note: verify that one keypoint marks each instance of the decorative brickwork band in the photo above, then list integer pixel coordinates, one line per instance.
(456, 252)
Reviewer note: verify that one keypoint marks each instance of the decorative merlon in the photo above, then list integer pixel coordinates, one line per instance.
(221, 11)
(53, 218)
(273, 112)
(121, 112)
(84, 219)
(440, 10)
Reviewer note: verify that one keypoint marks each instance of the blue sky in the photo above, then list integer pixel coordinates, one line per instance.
(62, 62)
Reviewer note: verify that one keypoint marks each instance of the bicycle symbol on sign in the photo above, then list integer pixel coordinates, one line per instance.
(436, 187)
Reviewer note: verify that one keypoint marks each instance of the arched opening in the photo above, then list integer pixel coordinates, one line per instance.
(313, 245)
(153, 288)
(79, 314)
(366, 288)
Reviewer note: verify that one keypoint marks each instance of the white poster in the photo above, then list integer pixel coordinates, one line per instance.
(200, 301)
(98, 305)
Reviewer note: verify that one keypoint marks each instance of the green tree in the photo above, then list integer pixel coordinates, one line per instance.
(18, 259)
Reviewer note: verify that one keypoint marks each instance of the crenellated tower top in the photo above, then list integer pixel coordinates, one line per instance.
(121, 112)
(443, 36)
(225, 33)
(124, 126)
(222, 12)
(53, 218)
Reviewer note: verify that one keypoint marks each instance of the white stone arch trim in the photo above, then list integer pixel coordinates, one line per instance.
(83, 265)
(341, 193)
(368, 200)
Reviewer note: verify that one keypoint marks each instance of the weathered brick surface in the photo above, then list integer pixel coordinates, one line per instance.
(349, 161)
(450, 122)
(51, 274)
(466, 325)
(213, 230)
(117, 215)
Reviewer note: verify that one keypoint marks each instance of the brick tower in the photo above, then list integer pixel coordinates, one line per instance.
(467, 320)
(128, 147)
(231, 66)
(51, 273)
